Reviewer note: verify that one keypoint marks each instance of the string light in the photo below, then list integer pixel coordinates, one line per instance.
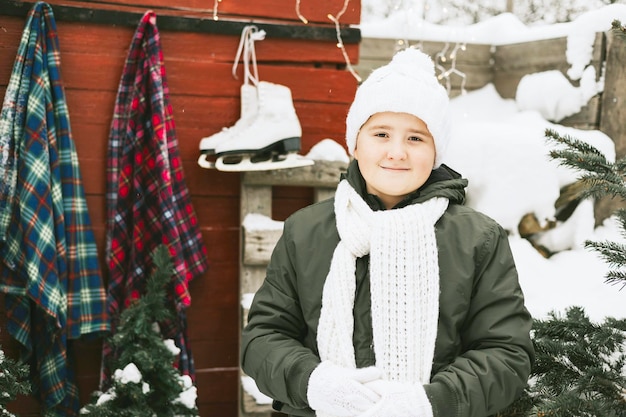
(215, 4)
(400, 45)
(445, 74)
(340, 45)
(407, 24)
(300, 16)
(441, 57)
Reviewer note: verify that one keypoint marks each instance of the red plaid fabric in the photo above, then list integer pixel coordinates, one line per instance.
(148, 202)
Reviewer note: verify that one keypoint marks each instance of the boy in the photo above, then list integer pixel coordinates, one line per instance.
(392, 299)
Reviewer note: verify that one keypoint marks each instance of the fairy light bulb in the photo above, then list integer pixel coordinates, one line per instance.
(215, 6)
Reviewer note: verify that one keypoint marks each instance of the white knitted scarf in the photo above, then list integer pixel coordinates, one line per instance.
(404, 279)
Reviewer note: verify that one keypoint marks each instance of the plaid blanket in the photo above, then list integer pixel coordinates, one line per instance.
(147, 200)
(50, 272)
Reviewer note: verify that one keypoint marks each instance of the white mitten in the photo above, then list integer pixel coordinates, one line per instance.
(399, 400)
(341, 392)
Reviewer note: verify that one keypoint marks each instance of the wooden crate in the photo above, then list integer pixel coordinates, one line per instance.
(257, 243)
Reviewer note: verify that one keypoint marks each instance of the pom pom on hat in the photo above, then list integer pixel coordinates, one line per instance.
(407, 84)
(410, 60)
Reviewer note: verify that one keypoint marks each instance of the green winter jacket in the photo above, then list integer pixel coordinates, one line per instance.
(483, 351)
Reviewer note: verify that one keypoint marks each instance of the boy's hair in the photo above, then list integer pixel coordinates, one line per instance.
(406, 85)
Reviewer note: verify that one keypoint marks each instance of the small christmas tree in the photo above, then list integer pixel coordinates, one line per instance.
(145, 381)
(13, 381)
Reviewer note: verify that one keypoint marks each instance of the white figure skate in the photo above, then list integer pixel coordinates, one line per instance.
(271, 141)
(248, 91)
(249, 108)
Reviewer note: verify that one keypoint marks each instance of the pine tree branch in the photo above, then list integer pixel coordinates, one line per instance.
(572, 143)
(600, 177)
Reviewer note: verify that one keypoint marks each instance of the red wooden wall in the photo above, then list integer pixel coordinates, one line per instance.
(205, 98)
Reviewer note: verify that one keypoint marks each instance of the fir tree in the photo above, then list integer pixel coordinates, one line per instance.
(579, 369)
(580, 366)
(145, 381)
(13, 382)
(599, 178)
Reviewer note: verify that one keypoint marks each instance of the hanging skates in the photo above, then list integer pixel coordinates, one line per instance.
(267, 135)
(270, 141)
(249, 104)
(249, 107)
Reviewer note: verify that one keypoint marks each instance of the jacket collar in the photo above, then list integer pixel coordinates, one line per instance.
(443, 182)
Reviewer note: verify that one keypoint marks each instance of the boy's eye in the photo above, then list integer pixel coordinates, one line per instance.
(415, 138)
(381, 134)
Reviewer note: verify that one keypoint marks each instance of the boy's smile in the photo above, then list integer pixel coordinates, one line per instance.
(396, 154)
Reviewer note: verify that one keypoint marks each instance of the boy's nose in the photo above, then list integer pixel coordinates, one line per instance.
(396, 150)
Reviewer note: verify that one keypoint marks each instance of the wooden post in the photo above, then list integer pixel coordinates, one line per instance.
(509, 6)
(613, 107)
(613, 111)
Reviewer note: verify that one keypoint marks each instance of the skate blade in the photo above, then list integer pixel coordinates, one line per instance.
(244, 164)
(204, 163)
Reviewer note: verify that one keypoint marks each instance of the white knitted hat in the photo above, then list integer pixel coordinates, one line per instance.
(407, 84)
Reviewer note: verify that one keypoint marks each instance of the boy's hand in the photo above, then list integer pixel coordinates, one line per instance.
(341, 391)
(399, 400)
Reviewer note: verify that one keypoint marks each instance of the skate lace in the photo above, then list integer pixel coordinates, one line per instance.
(247, 53)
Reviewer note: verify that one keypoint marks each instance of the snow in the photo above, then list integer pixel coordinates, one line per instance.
(503, 29)
(106, 397)
(510, 174)
(328, 150)
(560, 98)
(255, 221)
(189, 393)
(491, 136)
(130, 373)
(171, 346)
(251, 388)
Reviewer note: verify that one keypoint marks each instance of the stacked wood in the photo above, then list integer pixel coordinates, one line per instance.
(260, 231)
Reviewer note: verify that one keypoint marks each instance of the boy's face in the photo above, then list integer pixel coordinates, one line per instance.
(396, 154)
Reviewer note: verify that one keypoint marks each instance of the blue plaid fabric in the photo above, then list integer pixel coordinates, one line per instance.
(50, 272)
